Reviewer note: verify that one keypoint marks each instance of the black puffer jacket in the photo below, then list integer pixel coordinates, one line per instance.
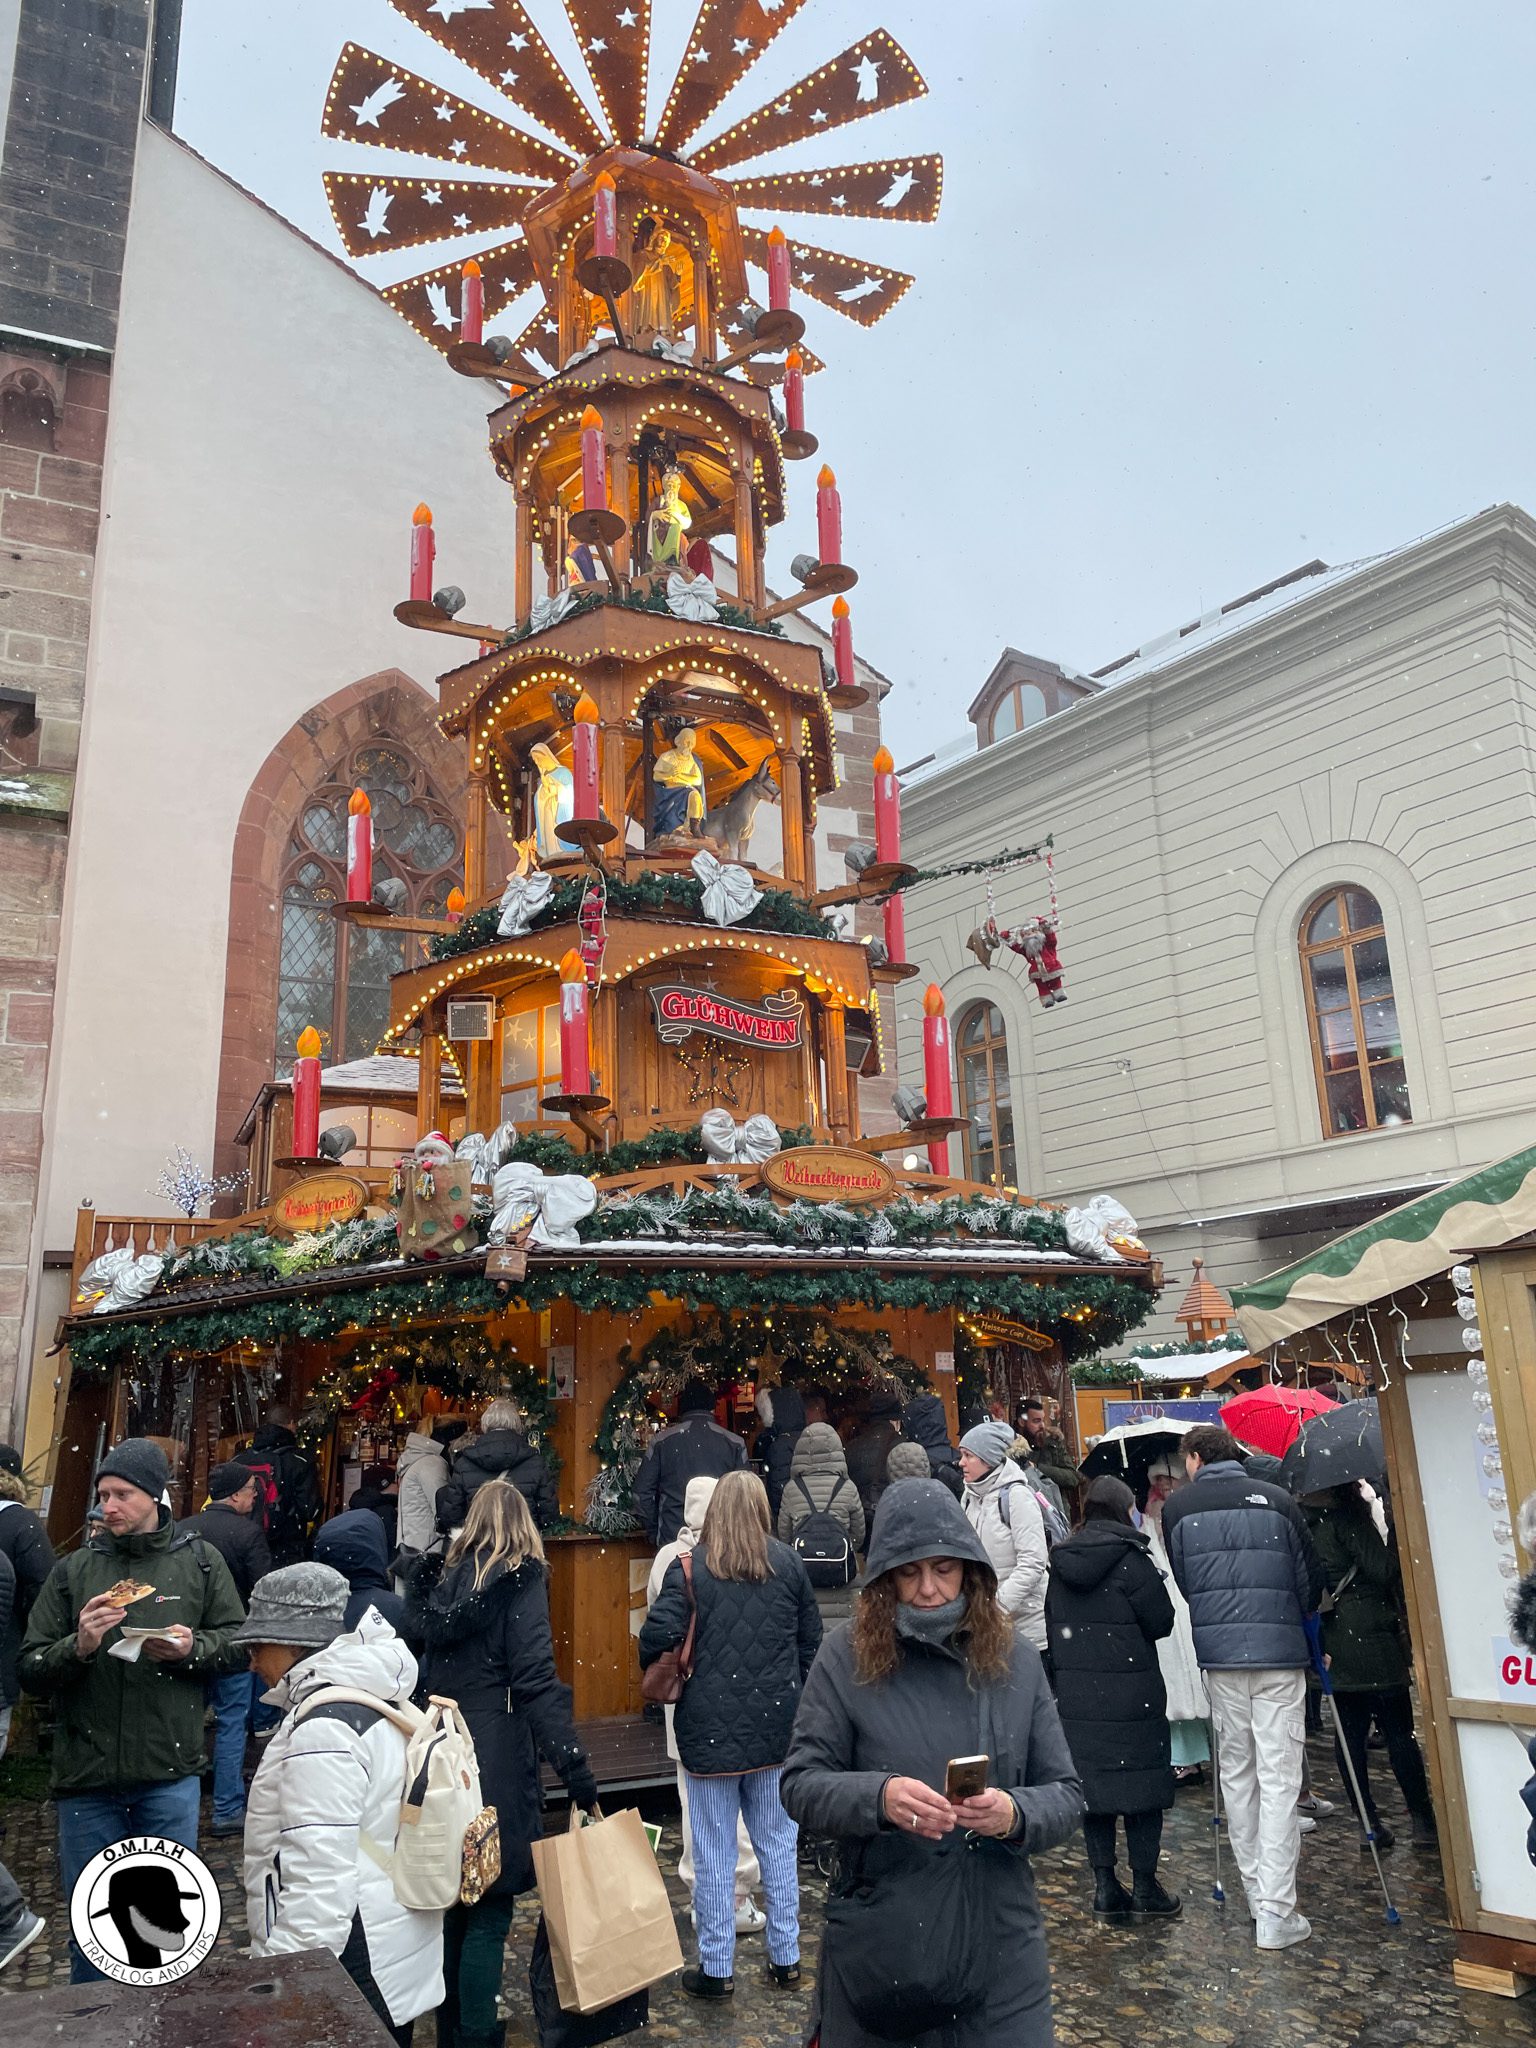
(490, 1649)
(1106, 1610)
(775, 1447)
(1244, 1561)
(239, 1541)
(754, 1644)
(24, 1541)
(499, 1454)
(695, 1447)
(355, 1545)
(924, 1422)
(868, 1449)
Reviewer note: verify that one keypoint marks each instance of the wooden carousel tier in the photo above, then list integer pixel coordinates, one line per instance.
(763, 666)
(633, 943)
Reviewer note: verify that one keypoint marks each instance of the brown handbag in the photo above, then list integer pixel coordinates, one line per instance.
(663, 1680)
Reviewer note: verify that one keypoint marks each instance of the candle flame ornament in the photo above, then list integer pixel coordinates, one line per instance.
(423, 554)
(778, 271)
(456, 905)
(472, 305)
(359, 848)
(938, 1083)
(585, 758)
(306, 1095)
(887, 807)
(842, 655)
(575, 1028)
(829, 518)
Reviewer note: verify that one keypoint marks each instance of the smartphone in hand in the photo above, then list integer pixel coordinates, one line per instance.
(965, 1777)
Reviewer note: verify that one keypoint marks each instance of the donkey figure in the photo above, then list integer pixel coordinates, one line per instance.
(729, 825)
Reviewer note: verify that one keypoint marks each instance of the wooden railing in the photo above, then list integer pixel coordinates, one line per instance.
(95, 1234)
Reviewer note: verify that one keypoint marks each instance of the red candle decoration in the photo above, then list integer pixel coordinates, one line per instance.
(457, 904)
(842, 643)
(423, 554)
(306, 1095)
(605, 216)
(794, 391)
(887, 807)
(359, 848)
(594, 464)
(584, 758)
(937, 1085)
(472, 305)
(778, 271)
(829, 517)
(895, 930)
(575, 1036)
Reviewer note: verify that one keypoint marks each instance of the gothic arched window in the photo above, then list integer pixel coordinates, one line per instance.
(1357, 1043)
(333, 974)
(986, 1102)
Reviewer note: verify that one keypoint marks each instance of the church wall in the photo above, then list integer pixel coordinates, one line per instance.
(273, 425)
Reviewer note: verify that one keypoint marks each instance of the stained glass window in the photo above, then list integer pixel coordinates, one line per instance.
(1357, 1045)
(335, 975)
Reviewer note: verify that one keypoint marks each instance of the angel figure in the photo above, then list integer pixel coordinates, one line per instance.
(656, 307)
(554, 801)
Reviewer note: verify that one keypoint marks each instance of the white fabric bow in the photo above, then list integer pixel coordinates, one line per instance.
(122, 1277)
(521, 901)
(549, 611)
(698, 600)
(1090, 1228)
(553, 1203)
(729, 1143)
(730, 894)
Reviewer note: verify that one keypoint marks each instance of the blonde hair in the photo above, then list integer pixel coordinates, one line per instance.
(735, 1533)
(497, 1530)
(13, 1486)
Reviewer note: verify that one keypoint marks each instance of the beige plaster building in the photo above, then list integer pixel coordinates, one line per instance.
(1293, 845)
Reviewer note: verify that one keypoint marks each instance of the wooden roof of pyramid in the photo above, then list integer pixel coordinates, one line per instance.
(1204, 1302)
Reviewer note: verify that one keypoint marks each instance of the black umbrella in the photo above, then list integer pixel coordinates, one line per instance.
(1127, 1452)
(1334, 1448)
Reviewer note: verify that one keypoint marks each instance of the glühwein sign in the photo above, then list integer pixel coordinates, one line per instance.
(774, 1025)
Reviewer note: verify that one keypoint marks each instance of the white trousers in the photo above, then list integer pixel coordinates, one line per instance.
(1261, 1730)
(748, 1872)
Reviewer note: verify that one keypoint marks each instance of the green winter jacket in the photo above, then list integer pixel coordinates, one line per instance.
(132, 1724)
(1364, 1634)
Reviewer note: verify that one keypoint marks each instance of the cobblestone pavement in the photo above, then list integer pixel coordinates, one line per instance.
(1356, 1984)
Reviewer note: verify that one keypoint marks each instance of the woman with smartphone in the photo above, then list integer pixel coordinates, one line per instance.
(928, 1745)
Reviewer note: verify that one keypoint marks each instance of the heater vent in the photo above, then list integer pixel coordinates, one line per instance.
(473, 1018)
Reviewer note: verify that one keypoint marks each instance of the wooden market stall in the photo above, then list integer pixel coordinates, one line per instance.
(1438, 1298)
(660, 1018)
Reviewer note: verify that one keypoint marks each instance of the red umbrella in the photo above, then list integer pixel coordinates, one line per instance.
(1270, 1418)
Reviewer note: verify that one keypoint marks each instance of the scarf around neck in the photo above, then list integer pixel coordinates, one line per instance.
(932, 1625)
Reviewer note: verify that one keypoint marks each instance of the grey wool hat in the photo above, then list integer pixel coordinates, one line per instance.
(142, 1463)
(302, 1605)
(907, 1461)
(989, 1441)
(916, 1518)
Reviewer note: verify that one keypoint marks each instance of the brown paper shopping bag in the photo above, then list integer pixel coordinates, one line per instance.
(605, 1904)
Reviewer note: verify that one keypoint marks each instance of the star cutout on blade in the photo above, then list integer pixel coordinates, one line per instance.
(596, 47)
(818, 116)
(781, 107)
(516, 42)
(701, 56)
(458, 148)
(838, 199)
(431, 195)
(461, 220)
(509, 78)
(443, 110)
(627, 19)
(741, 45)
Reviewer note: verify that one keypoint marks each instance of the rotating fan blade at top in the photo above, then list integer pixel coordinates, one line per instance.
(431, 300)
(615, 43)
(875, 73)
(728, 38)
(375, 215)
(864, 292)
(895, 188)
(503, 45)
(371, 100)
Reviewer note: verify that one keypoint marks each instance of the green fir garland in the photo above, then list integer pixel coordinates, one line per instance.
(653, 894)
(702, 1211)
(1009, 857)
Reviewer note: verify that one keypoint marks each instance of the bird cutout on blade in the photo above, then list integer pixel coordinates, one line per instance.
(615, 40)
(431, 300)
(765, 371)
(872, 75)
(373, 215)
(728, 38)
(864, 292)
(905, 188)
(540, 340)
(420, 119)
(498, 40)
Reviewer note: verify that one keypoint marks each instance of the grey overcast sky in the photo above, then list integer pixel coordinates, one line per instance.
(1216, 288)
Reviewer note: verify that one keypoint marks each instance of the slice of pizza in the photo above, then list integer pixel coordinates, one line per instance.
(126, 1591)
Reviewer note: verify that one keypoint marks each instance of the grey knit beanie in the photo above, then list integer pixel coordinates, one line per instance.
(302, 1605)
(989, 1441)
(142, 1463)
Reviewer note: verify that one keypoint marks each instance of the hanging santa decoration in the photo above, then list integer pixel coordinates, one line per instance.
(1034, 941)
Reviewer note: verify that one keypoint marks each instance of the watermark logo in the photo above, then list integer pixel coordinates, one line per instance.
(145, 1911)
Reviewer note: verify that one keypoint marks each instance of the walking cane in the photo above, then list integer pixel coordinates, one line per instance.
(1314, 1629)
(1216, 1891)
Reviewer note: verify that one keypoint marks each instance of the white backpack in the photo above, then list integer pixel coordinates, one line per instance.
(448, 1845)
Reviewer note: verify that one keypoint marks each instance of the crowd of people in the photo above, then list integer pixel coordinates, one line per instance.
(860, 1607)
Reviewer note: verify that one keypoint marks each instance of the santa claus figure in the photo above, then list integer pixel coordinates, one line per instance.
(434, 1206)
(1038, 946)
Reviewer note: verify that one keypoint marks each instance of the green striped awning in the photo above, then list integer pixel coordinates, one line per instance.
(1414, 1242)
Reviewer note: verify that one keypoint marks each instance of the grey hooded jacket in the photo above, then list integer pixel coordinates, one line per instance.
(850, 1738)
(1243, 1558)
(818, 1482)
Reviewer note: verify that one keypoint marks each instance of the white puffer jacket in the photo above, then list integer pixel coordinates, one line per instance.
(1016, 1546)
(323, 1782)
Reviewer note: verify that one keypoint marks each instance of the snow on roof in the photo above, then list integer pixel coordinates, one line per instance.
(381, 1073)
(1184, 1365)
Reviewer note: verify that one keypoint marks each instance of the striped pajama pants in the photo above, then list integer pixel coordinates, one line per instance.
(714, 1804)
